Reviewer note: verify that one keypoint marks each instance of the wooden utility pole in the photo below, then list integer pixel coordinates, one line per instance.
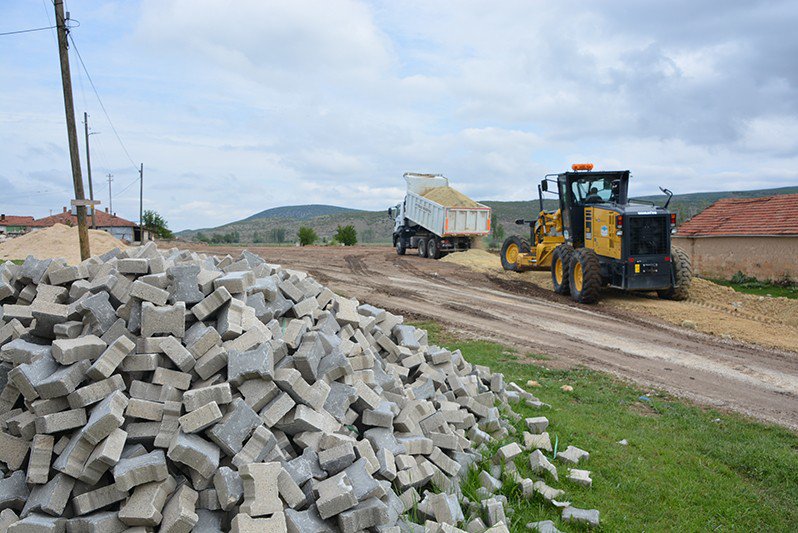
(72, 134)
(110, 196)
(141, 204)
(88, 169)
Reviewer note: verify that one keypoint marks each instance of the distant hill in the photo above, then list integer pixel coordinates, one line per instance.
(280, 224)
(300, 212)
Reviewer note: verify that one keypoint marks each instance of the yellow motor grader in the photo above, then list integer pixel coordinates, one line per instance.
(597, 238)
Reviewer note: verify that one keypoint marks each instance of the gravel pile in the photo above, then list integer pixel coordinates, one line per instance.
(172, 390)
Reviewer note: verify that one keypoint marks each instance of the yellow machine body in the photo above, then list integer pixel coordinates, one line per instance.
(601, 232)
(548, 235)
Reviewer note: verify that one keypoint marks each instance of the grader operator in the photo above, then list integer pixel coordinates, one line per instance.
(597, 238)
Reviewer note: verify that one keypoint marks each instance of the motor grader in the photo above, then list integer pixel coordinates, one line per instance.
(598, 238)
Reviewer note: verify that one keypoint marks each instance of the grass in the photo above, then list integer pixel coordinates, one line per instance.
(685, 468)
(761, 288)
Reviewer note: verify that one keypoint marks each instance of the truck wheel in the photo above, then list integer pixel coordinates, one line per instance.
(433, 249)
(422, 248)
(683, 272)
(513, 247)
(561, 267)
(585, 276)
(400, 247)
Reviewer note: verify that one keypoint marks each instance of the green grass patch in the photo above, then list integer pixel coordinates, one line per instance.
(761, 288)
(686, 468)
(17, 261)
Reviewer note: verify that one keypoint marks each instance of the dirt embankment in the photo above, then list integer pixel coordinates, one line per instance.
(58, 241)
(711, 308)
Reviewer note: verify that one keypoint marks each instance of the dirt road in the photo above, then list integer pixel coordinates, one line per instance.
(753, 380)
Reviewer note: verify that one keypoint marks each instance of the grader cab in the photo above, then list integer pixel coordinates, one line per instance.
(597, 237)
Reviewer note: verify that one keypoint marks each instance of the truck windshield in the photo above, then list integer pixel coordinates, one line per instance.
(593, 191)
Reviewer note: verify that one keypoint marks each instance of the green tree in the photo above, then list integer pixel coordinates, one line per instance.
(346, 235)
(497, 231)
(307, 236)
(367, 235)
(156, 224)
(201, 237)
(256, 237)
(278, 235)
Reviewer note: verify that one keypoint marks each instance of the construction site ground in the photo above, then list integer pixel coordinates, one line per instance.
(737, 356)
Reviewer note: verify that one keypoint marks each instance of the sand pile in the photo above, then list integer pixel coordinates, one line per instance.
(57, 241)
(711, 308)
(448, 197)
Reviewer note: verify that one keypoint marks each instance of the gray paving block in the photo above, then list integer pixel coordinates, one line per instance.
(260, 489)
(134, 471)
(211, 303)
(149, 293)
(13, 491)
(163, 320)
(257, 448)
(61, 421)
(588, 517)
(41, 455)
(100, 522)
(94, 392)
(105, 417)
(229, 487)
(145, 505)
(179, 514)
(337, 458)
(19, 351)
(111, 358)
(201, 418)
(96, 499)
(335, 495)
(50, 498)
(68, 351)
(195, 452)
(252, 364)
(234, 427)
(195, 398)
(63, 381)
(99, 311)
(184, 286)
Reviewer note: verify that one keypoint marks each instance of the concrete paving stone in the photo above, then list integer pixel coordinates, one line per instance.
(178, 354)
(149, 293)
(490, 483)
(548, 493)
(444, 462)
(50, 498)
(21, 313)
(38, 523)
(195, 452)
(364, 450)
(145, 391)
(62, 421)
(507, 453)
(572, 455)
(211, 362)
(101, 522)
(494, 512)
(201, 418)
(33, 270)
(260, 490)
(19, 351)
(580, 477)
(104, 456)
(365, 515)
(13, 491)
(11, 332)
(63, 381)
(252, 364)
(229, 487)
(133, 266)
(99, 311)
(134, 471)
(96, 499)
(346, 311)
(211, 303)
(145, 505)
(539, 464)
(179, 514)
(193, 399)
(307, 521)
(275, 410)
(290, 380)
(230, 319)
(258, 392)
(184, 284)
(335, 495)
(47, 315)
(205, 280)
(243, 523)
(144, 409)
(535, 442)
(384, 438)
(41, 454)
(305, 307)
(235, 427)
(235, 282)
(588, 517)
(257, 448)
(336, 459)
(416, 444)
(200, 338)
(290, 290)
(293, 333)
(21, 423)
(171, 378)
(72, 458)
(208, 500)
(537, 425)
(309, 355)
(170, 425)
(111, 358)
(167, 319)
(289, 490)
(339, 399)
(405, 336)
(303, 418)
(105, 417)
(68, 351)
(364, 485)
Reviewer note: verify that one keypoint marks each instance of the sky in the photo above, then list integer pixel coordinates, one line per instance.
(241, 105)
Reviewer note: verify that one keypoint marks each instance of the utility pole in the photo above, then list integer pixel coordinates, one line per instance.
(141, 204)
(72, 134)
(88, 169)
(110, 196)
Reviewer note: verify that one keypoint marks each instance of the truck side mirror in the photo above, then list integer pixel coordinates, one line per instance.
(544, 185)
(390, 212)
(616, 188)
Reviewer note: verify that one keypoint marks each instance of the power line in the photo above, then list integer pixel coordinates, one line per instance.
(129, 185)
(26, 31)
(102, 106)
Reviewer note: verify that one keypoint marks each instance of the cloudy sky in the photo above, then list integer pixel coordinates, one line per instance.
(240, 105)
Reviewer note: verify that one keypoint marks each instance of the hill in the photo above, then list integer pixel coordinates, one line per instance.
(280, 224)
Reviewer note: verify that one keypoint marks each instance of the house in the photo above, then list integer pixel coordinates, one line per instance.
(13, 226)
(755, 236)
(105, 221)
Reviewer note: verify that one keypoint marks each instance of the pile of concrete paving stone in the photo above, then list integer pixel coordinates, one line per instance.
(176, 391)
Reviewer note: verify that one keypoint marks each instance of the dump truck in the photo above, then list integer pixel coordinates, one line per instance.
(598, 237)
(436, 219)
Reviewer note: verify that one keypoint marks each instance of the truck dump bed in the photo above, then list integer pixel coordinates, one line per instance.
(444, 211)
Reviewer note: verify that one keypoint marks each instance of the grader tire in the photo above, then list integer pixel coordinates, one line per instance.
(683, 272)
(560, 268)
(585, 276)
(513, 246)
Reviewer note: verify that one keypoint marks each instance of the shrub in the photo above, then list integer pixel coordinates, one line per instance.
(307, 236)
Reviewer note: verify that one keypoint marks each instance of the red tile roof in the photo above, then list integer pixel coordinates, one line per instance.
(103, 219)
(13, 220)
(769, 215)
